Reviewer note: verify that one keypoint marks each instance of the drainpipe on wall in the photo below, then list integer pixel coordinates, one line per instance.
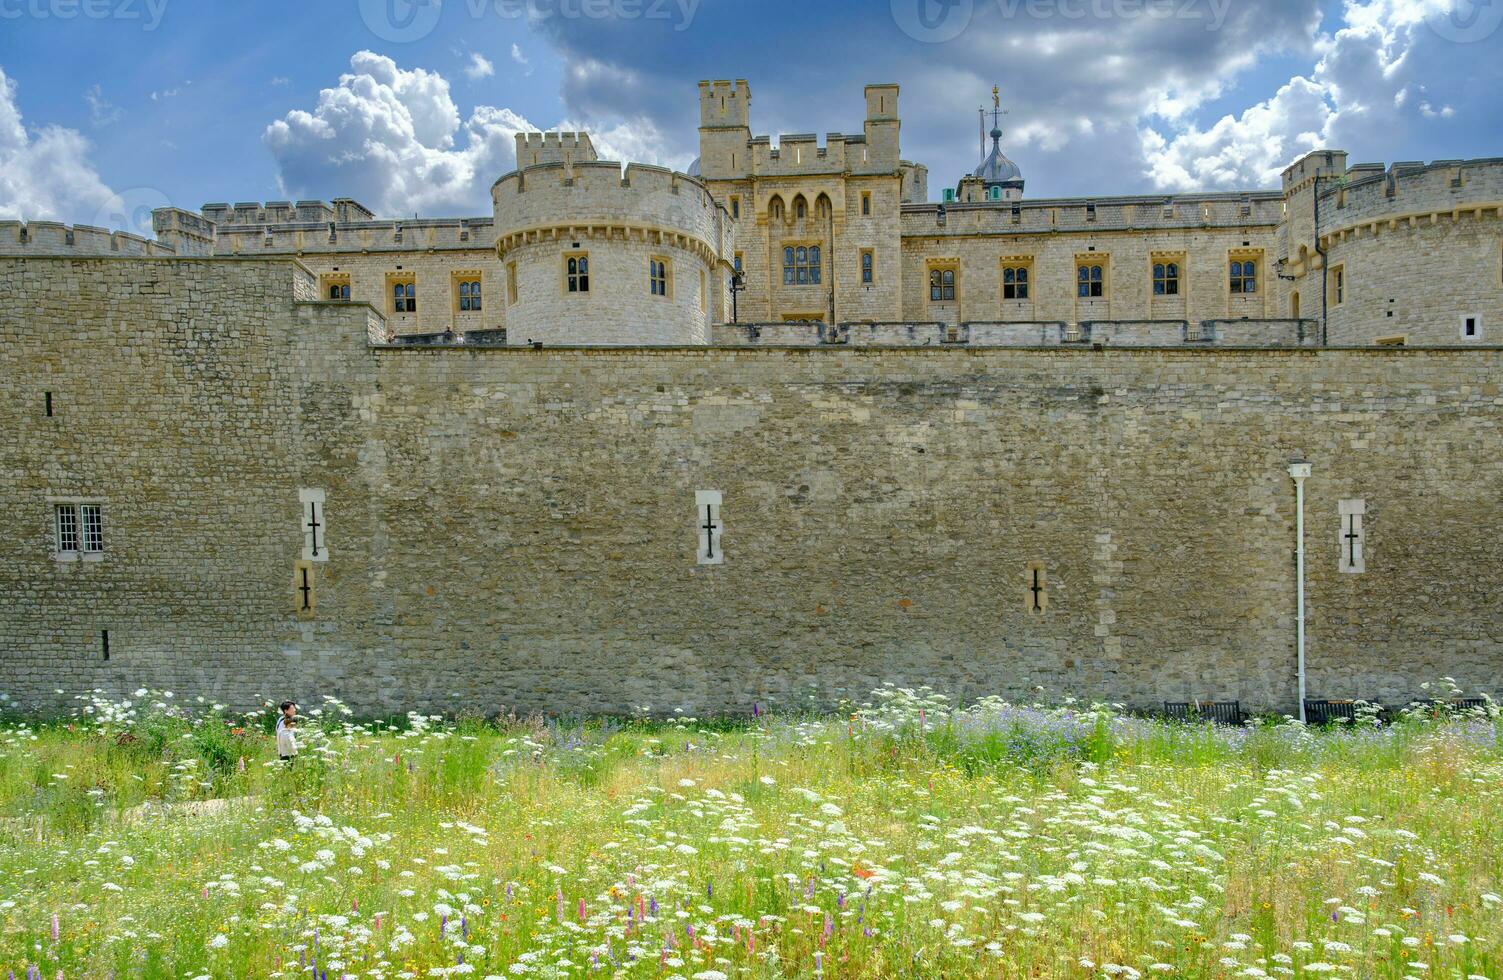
(1299, 470)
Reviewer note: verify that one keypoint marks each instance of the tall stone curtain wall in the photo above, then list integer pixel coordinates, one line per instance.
(517, 529)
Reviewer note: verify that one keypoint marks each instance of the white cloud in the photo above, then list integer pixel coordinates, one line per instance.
(520, 58)
(1364, 91)
(101, 112)
(393, 139)
(46, 175)
(1243, 151)
(480, 66)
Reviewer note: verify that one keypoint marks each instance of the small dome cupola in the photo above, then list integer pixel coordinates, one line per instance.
(996, 169)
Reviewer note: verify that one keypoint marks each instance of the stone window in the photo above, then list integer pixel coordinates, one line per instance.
(315, 525)
(1351, 539)
(1244, 275)
(657, 276)
(79, 530)
(735, 207)
(704, 293)
(511, 282)
(868, 267)
(1165, 279)
(577, 272)
(1090, 281)
(1338, 285)
(800, 208)
(468, 294)
(775, 208)
(1471, 326)
(708, 527)
(737, 264)
(1015, 281)
(801, 265)
(403, 293)
(942, 285)
(866, 203)
(336, 286)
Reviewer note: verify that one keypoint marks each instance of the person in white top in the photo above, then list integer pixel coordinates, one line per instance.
(287, 732)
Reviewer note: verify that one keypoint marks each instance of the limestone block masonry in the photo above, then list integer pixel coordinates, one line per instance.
(509, 528)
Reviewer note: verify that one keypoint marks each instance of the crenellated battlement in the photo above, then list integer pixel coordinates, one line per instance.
(1369, 192)
(342, 210)
(1228, 210)
(56, 238)
(535, 149)
(600, 194)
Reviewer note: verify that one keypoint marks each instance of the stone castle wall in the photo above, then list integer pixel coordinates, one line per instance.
(516, 528)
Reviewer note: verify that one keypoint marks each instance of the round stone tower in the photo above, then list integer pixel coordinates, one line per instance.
(595, 255)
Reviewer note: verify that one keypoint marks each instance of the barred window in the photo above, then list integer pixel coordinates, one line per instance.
(93, 527)
(1166, 278)
(577, 268)
(1015, 282)
(1088, 281)
(67, 528)
(1244, 276)
(469, 295)
(941, 285)
(801, 265)
(79, 529)
(866, 268)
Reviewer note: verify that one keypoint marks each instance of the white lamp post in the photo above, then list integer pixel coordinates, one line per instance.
(1299, 470)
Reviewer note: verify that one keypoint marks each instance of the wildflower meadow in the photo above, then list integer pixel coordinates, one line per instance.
(902, 837)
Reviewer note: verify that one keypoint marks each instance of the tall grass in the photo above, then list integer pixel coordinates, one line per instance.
(902, 837)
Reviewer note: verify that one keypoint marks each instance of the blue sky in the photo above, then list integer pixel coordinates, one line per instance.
(110, 107)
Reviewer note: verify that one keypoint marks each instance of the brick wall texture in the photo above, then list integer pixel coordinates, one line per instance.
(516, 529)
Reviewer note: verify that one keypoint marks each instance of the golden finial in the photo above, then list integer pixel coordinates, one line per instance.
(996, 97)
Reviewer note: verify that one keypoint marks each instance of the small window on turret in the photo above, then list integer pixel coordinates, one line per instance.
(577, 273)
(657, 276)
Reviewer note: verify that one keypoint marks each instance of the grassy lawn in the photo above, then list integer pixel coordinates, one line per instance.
(905, 838)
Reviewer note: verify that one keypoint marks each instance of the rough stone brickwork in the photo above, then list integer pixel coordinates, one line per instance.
(514, 528)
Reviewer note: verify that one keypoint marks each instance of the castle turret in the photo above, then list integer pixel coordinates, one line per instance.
(882, 127)
(185, 232)
(724, 129)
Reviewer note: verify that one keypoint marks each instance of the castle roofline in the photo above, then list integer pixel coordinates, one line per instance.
(1058, 202)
